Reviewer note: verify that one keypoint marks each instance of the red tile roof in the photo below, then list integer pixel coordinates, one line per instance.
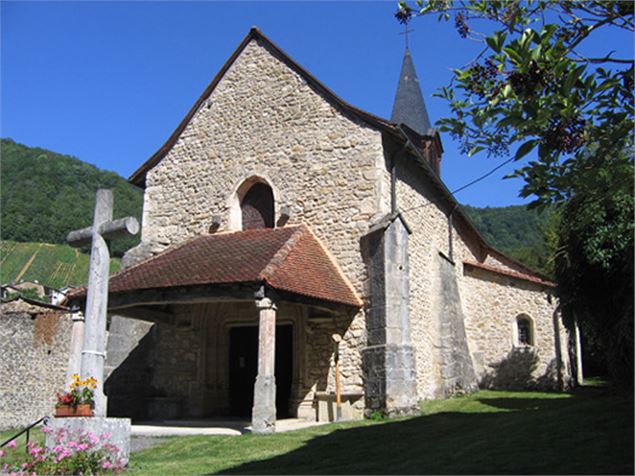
(511, 274)
(288, 259)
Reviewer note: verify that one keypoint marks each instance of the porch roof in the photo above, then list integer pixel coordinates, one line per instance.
(290, 259)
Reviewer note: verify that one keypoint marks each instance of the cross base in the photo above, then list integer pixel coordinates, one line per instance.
(117, 428)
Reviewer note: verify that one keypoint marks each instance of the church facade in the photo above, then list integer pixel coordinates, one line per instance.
(297, 251)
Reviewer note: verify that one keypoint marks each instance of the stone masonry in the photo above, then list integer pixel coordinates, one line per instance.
(33, 358)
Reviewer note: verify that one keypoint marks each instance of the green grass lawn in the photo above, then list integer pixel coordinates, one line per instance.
(588, 432)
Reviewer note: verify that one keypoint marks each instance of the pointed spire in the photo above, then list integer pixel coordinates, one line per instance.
(409, 107)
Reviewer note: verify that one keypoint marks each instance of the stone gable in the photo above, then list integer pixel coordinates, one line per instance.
(265, 120)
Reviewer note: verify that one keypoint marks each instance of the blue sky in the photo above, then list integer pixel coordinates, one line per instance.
(108, 82)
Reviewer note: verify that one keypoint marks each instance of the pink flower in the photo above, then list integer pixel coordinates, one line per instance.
(82, 447)
(106, 464)
(93, 439)
(2, 453)
(11, 444)
(57, 449)
(46, 430)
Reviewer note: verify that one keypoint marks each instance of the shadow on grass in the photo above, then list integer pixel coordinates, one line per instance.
(578, 435)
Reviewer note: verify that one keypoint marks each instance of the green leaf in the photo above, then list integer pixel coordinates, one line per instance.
(524, 149)
(475, 150)
(513, 55)
(496, 41)
(572, 77)
(511, 120)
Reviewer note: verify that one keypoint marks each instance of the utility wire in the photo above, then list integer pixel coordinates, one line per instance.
(463, 187)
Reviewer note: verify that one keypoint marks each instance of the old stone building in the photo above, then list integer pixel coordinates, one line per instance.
(291, 241)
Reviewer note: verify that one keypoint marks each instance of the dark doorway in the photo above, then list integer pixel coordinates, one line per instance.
(243, 368)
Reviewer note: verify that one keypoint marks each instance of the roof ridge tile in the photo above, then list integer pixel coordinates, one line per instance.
(281, 255)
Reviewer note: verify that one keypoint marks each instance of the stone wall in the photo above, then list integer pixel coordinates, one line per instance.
(263, 120)
(493, 303)
(489, 304)
(34, 354)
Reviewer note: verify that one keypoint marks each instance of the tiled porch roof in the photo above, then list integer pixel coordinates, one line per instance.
(290, 259)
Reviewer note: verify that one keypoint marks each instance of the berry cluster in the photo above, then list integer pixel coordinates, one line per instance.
(565, 34)
(461, 25)
(481, 78)
(565, 134)
(404, 15)
(627, 79)
(526, 84)
(511, 14)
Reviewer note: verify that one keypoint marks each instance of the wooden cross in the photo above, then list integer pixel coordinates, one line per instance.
(405, 33)
(103, 230)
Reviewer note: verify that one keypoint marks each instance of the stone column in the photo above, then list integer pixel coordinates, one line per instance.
(579, 376)
(75, 354)
(263, 415)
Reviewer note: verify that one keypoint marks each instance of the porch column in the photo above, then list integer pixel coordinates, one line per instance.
(263, 414)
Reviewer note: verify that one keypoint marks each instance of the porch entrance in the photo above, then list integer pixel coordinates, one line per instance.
(243, 368)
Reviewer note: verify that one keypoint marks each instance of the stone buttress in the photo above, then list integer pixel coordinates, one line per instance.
(388, 359)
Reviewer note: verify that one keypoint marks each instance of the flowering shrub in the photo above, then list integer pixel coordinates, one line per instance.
(74, 453)
(81, 392)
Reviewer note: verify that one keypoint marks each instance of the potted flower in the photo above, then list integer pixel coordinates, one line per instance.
(79, 400)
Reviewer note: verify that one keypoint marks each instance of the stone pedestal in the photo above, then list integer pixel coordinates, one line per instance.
(391, 380)
(117, 428)
(263, 414)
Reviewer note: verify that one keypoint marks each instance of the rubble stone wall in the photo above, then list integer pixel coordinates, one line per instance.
(34, 352)
(489, 304)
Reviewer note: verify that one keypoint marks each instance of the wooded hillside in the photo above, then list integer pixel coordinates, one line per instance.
(44, 195)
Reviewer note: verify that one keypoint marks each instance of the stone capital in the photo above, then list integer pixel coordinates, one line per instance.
(265, 303)
(78, 317)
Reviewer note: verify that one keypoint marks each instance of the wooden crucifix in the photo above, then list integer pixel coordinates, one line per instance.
(103, 230)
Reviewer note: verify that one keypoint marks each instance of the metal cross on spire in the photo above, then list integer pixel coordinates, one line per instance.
(405, 33)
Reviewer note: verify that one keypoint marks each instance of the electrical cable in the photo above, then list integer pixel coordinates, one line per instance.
(463, 187)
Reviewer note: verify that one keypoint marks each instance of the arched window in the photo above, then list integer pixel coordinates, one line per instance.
(524, 331)
(257, 207)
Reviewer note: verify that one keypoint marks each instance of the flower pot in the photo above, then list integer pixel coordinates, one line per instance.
(81, 410)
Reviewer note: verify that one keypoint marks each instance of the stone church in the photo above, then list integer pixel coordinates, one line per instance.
(295, 248)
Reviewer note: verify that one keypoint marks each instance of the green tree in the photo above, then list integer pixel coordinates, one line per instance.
(44, 195)
(532, 88)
